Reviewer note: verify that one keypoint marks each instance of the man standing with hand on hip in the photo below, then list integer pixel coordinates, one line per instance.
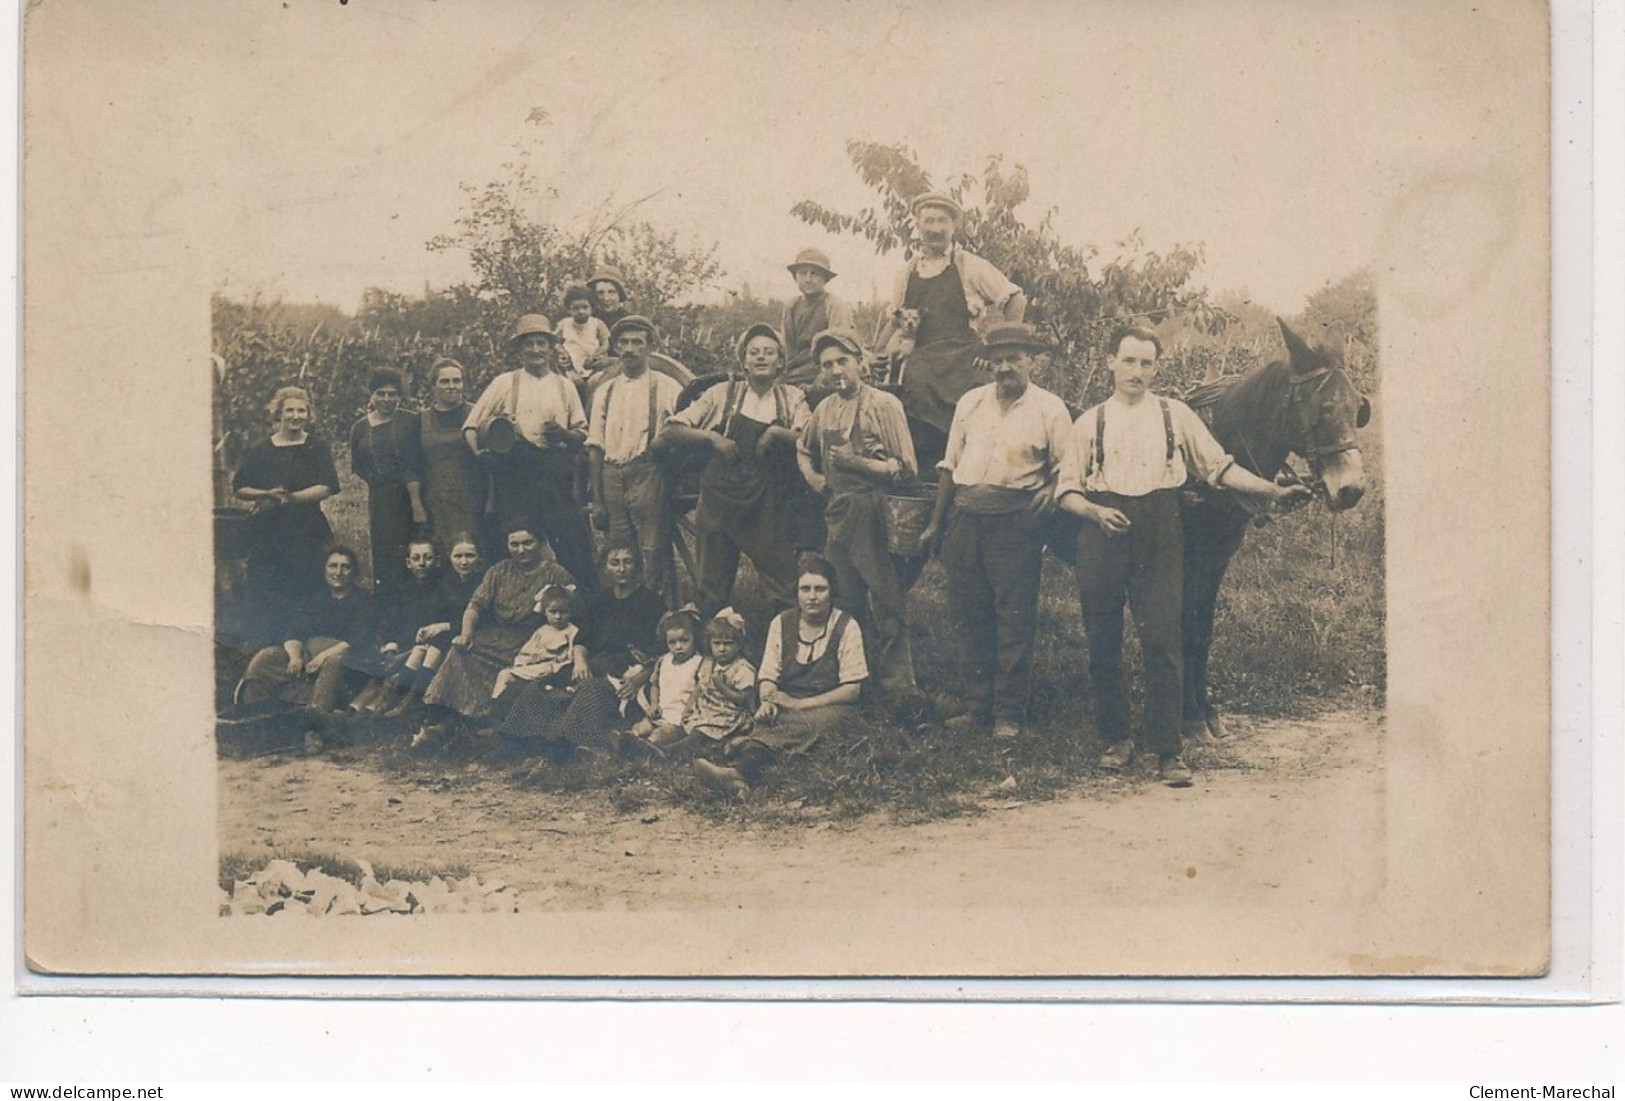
(1005, 448)
(1127, 458)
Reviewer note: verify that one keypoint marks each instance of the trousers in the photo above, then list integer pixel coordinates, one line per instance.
(993, 563)
(636, 508)
(1144, 568)
(537, 485)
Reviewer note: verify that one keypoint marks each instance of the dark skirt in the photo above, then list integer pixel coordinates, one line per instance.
(389, 526)
(585, 717)
(465, 678)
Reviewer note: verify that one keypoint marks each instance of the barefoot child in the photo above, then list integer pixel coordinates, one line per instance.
(673, 680)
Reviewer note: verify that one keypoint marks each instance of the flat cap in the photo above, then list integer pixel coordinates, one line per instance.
(936, 198)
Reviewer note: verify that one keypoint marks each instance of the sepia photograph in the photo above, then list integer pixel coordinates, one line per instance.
(822, 489)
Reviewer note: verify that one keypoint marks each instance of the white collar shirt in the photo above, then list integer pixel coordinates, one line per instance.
(1017, 448)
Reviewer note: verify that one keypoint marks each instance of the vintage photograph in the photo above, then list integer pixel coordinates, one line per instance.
(742, 475)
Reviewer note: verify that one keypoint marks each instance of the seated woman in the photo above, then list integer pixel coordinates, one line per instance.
(811, 677)
(499, 618)
(310, 667)
(618, 633)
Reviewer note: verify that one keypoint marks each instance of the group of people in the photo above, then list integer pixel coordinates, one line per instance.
(572, 653)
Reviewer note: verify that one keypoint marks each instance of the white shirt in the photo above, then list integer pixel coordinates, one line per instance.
(985, 286)
(674, 687)
(851, 665)
(620, 414)
(547, 399)
(708, 410)
(1018, 448)
(1135, 449)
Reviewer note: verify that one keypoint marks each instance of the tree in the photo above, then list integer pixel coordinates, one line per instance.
(522, 262)
(1075, 306)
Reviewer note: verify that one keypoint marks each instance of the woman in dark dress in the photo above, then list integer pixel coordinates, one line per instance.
(455, 486)
(618, 631)
(327, 648)
(386, 452)
(284, 479)
(499, 618)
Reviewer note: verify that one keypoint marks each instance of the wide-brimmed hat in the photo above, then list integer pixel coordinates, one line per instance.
(761, 328)
(814, 258)
(609, 275)
(634, 321)
(533, 323)
(1013, 334)
(841, 338)
(937, 198)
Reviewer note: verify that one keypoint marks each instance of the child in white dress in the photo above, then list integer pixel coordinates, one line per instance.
(672, 681)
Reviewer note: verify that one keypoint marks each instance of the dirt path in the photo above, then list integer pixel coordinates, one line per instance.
(1274, 799)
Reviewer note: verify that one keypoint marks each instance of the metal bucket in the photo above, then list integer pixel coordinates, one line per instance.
(907, 515)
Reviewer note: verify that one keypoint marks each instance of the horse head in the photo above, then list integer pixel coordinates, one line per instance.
(1323, 411)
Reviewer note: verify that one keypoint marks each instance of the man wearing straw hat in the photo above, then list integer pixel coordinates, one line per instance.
(815, 311)
(854, 449)
(529, 424)
(1005, 449)
(956, 293)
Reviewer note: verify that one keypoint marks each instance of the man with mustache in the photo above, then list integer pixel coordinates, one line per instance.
(628, 485)
(997, 482)
(956, 293)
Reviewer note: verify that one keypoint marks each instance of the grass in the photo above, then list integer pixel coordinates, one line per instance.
(1299, 629)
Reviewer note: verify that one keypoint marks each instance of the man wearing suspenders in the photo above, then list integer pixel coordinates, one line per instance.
(628, 485)
(1122, 472)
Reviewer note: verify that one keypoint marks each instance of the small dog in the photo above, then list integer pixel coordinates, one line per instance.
(901, 344)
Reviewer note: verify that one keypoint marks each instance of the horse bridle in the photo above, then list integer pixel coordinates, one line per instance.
(1305, 394)
(1305, 390)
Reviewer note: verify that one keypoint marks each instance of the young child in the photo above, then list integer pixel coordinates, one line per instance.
(585, 337)
(548, 658)
(672, 682)
(725, 688)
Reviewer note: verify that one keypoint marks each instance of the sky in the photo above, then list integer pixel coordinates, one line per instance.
(1276, 134)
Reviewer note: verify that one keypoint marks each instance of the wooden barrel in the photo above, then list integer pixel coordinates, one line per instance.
(907, 515)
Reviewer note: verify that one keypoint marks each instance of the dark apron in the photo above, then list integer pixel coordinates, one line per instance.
(943, 364)
(742, 491)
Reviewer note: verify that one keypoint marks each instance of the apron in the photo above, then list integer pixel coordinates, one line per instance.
(739, 491)
(855, 514)
(943, 365)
